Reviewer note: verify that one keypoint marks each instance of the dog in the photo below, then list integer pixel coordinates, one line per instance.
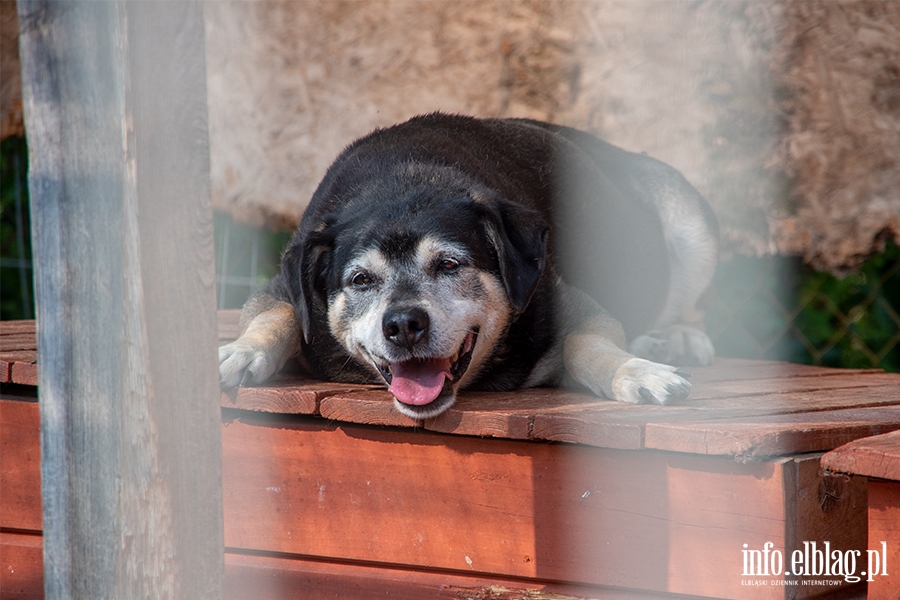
(449, 253)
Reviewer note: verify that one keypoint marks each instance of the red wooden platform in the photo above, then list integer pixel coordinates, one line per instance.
(877, 459)
(329, 492)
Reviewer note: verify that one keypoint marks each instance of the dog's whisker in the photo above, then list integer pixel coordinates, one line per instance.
(343, 366)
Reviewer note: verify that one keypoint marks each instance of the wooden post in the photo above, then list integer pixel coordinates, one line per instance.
(115, 106)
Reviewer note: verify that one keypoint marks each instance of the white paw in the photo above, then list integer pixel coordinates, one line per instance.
(241, 363)
(675, 345)
(640, 381)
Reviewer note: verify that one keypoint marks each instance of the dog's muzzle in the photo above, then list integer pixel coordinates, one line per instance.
(419, 381)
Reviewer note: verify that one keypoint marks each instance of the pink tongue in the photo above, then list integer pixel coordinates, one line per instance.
(419, 381)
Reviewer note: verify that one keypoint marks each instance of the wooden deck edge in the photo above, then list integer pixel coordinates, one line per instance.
(876, 456)
(282, 577)
(272, 577)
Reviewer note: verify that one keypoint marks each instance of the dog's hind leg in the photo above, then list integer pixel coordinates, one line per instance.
(691, 237)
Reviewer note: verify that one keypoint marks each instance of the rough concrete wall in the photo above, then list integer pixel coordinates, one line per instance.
(11, 117)
(785, 114)
(293, 83)
(838, 66)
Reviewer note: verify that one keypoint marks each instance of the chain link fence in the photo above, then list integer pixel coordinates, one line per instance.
(777, 308)
(246, 258)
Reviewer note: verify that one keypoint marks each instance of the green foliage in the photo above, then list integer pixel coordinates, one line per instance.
(854, 321)
(16, 287)
(777, 308)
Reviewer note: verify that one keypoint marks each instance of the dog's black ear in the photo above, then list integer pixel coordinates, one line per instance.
(519, 237)
(303, 266)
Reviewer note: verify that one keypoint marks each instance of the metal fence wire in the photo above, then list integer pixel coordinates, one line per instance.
(777, 308)
(771, 308)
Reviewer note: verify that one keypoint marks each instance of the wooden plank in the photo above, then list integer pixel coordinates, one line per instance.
(604, 424)
(23, 335)
(20, 466)
(288, 395)
(878, 393)
(738, 369)
(877, 456)
(21, 566)
(787, 385)
(382, 505)
(822, 508)
(560, 415)
(16, 327)
(24, 373)
(115, 109)
(278, 578)
(614, 425)
(884, 536)
(775, 435)
(509, 415)
(374, 407)
(23, 341)
(18, 344)
(499, 508)
(23, 355)
(18, 367)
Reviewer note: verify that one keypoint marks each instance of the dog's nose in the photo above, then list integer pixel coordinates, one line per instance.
(405, 326)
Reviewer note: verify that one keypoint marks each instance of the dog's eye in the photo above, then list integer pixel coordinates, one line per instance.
(448, 265)
(361, 279)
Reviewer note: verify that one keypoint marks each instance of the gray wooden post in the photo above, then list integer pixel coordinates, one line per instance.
(115, 107)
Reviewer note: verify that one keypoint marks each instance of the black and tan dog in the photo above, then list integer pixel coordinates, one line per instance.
(450, 252)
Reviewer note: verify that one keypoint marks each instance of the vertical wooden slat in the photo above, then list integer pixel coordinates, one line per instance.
(115, 112)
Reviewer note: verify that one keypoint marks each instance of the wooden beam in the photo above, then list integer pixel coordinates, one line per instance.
(652, 521)
(115, 107)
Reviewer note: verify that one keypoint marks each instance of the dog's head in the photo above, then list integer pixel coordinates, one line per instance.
(419, 287)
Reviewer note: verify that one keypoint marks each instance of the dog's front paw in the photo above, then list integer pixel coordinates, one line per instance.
(675, 345)
(640, 381)
(241, 363)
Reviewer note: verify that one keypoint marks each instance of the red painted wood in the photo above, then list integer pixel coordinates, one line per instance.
(21, 566)
(288, 396)
(877, 456)
(772, 435)
(412, 500)
(280, 578)
(268, 577)
(20, 465)
(884, 526)
(21, 327)
(396, 498)
(737, 408)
